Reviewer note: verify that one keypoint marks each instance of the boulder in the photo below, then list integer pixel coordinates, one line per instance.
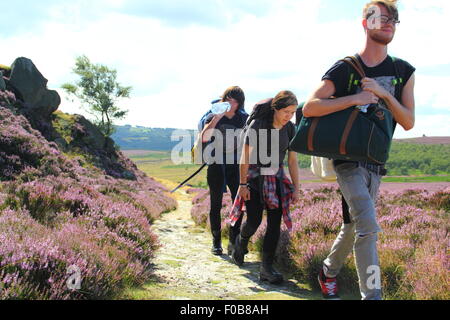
(93, 137)
(49, 102)
(31, 86)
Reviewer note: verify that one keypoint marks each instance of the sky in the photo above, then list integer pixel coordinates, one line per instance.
(178, 55)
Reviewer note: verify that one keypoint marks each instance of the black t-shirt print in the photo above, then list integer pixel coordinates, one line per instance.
(384, 74)
(286, 134)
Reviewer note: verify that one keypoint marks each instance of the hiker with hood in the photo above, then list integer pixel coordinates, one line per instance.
(224, 172)
(263, 181)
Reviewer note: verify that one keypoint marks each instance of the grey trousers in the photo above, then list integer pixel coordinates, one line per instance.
(360, 189)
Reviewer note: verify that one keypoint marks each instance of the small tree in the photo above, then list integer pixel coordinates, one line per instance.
(99, 93)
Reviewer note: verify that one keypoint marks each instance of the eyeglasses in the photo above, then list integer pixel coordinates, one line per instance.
(387, 20)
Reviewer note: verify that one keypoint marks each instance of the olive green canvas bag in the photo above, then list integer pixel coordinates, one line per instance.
(348, 134)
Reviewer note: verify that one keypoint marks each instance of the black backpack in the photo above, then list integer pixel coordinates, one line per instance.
(260, 110)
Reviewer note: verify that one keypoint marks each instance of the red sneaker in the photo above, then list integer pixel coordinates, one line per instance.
(328, 286)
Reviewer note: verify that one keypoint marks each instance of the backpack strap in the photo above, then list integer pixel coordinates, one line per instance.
(201, 124)
(398, 82)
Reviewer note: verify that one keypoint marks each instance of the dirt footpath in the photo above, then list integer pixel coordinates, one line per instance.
(186, 269)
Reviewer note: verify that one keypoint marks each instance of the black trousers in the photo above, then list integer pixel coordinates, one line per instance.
(255, 209)
(216, 177)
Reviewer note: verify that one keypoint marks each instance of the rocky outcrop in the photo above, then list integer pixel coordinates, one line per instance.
(93, 137)
(30, 86)
(28, 95)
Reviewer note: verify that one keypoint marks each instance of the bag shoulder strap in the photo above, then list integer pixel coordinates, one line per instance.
(354, 62)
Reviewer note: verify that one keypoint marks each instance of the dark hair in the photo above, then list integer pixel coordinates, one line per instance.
(235, 93)
(265, 109)
(282, 100)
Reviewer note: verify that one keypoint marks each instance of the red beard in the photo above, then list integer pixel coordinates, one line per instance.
(378, 38)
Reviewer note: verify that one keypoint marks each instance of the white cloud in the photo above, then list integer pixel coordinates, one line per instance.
(432, 93)
(423, 28)
(175, 72)
(429, 125)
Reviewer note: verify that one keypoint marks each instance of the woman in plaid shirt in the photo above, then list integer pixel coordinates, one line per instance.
(263, 182)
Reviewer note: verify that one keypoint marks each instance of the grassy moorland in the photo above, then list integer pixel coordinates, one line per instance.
(408, 157)
(158, 164)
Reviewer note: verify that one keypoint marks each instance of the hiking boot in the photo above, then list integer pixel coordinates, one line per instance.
(217, 243)
(240, 250)
(328, 286)
(268, 272)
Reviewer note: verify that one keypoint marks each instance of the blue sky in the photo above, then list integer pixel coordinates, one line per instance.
(179, 55)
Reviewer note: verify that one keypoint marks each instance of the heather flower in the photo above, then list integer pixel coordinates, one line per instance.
(413, 247)
(55, 214)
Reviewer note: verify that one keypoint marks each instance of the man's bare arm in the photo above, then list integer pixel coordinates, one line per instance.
(404, 111)
(321, 104)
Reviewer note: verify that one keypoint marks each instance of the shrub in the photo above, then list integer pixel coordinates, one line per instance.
(55, 214)
(413, 247)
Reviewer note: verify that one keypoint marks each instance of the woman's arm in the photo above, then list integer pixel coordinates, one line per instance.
(207, 131)
(244, 164)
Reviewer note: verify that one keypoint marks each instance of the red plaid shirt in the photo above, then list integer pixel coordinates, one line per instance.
(270, 198)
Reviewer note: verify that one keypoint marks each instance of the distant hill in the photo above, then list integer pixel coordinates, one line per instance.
(141, 138)
(416, 156)
(427, 140)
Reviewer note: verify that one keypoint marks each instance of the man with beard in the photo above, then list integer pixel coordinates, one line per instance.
(390, 83)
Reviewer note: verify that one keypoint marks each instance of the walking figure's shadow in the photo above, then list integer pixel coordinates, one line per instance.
(288, 287)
